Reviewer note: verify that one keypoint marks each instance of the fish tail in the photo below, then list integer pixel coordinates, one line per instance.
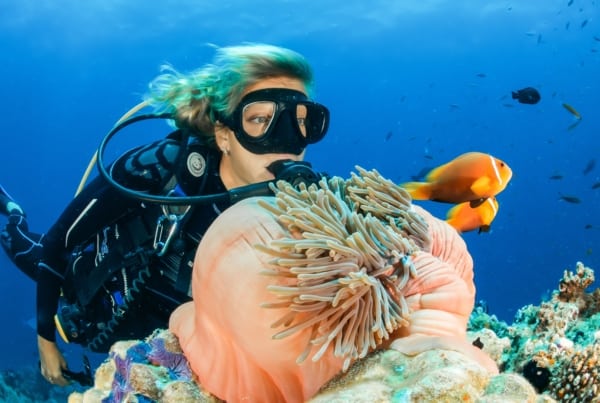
(418, 190)
(454, 223)
(515, 95)
(452, 219)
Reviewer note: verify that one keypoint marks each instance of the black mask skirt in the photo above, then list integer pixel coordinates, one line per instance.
(277, 120)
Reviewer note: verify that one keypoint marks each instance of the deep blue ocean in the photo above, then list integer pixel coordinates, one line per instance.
(410, 84)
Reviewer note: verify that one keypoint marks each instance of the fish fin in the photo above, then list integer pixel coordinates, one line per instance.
(435, 173)
(481, 185)
(484, 228)
(477, 202)
(418, 190)
(452, 220)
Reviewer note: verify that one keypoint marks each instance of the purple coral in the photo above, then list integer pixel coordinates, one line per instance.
(175, 362)
(120, 384)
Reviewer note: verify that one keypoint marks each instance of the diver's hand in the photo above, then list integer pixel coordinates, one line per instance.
(52, 362)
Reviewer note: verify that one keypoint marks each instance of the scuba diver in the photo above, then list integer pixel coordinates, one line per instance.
(118, 260)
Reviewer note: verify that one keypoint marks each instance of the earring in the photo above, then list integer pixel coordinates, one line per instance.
(226, 151)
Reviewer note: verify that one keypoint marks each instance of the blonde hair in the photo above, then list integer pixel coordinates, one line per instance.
(198, 97)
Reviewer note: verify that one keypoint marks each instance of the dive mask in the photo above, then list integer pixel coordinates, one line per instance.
(277, 120)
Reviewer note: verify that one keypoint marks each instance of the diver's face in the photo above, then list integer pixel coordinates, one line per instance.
(240, 167)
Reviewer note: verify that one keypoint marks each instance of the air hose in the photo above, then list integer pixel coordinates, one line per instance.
(130, 295)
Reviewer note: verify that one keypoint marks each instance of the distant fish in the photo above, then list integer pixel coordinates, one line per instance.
(481, 75)
(596, 185)
(572, 110)
(454, 106)
(570, 3)
(531, 33)
(589, 167)
(539, 39)
(597, 39)
(389, 135)
(588, 226)
(528, 95)
(472, 176)
(465, 218)
(508, 105)
(556, 177)
(567, 25)
(569, 199)
(584, 23)
(574, 124)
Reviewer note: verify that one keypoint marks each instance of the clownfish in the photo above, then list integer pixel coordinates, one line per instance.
(471, 177)
(465, 218)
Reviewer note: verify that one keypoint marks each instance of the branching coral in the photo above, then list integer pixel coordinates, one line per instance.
(573, 284)
(577, 378)
(572, 288)
(349, 251)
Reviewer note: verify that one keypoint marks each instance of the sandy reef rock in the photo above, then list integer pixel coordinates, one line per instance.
(432, 376)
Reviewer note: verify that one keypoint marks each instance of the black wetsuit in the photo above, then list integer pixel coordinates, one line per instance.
(100, 217)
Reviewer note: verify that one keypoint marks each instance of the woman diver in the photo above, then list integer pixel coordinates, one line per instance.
(118, 261)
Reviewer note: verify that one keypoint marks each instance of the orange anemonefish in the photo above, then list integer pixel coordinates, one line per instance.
(472, 176)
(465, 218)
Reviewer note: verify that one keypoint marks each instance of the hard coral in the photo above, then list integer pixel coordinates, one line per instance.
(572, 288)
(559, 337)
(577, 376)
(145, 370)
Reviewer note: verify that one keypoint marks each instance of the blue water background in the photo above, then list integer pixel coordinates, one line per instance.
(404, 82)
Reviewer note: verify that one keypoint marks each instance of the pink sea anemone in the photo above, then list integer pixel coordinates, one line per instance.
(313, 262)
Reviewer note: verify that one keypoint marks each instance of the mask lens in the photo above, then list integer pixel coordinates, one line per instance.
(257, 117)
(301, 118)
(315, 122)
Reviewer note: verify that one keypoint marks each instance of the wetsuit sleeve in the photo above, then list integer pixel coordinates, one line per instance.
(23, 247)
(47, 293)
(146, 168)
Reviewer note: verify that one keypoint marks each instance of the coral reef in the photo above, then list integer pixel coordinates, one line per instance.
(151, 370)
(556, 345)
(26, 385)
(553, 347)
